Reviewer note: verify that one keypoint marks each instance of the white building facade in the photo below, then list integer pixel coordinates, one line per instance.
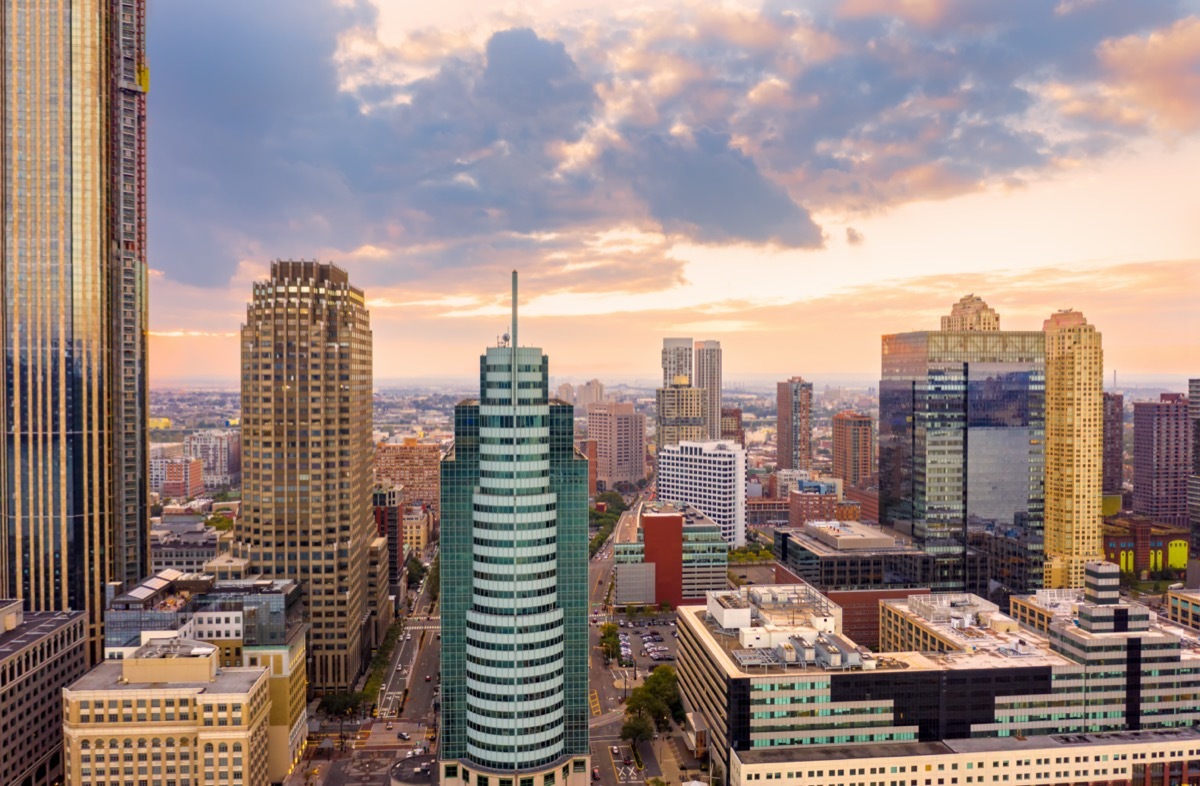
(711, 477)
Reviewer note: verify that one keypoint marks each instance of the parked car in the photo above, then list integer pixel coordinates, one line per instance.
(403, 735)
(616, 751)
(428, 678)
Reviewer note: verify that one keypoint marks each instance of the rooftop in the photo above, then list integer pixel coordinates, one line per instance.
(36, 626)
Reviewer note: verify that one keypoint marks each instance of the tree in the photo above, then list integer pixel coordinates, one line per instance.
(663, 683)
(636, 729)
(645, 703)
(614, 501)
(416, 571)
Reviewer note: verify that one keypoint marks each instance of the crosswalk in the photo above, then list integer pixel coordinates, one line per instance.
(594, 701)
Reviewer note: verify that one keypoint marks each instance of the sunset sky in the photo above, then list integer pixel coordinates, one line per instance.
(793, 179)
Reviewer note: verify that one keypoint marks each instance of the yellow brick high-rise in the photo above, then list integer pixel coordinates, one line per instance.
(1074, 447)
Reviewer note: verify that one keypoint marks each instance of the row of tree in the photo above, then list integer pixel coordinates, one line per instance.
(651, 706)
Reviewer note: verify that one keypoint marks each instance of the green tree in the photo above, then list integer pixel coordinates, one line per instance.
(645, 703)
(614, 501)
(636, 729)
(663, 683)
(416, 571)
(609, 642)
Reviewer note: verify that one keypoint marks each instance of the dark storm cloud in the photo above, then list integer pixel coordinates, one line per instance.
(268, 140)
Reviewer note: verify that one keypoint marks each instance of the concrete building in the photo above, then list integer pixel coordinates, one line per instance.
(41, 652)
(676, 360)
(812, 500)
(1193, 488)
(418, 527)
(1114, 444)
(711, 477)
(682, 414)
(1074, 448)
(793, 445)
(565, 392)
(220, 450)
(1162, 458)
(185, 547)
(678, 556)
(1138, 543)
(853, 447)
(307, 518)
(414, 465)
(387, 501)
(251, 623)
(620, 434)
(731, 426)
(589, 449)
(514, 579)
(380, 609)
(171, 705)
(780, 693)
(181, 478)
(590, 392)
(75, 288)
(709, 379)
(961, 433)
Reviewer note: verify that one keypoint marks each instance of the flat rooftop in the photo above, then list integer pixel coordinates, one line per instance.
(37, 625)
(899, 750)
(859, 540)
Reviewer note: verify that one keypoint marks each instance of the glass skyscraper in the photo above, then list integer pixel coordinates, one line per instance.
(73, 508)
(961, 433)
(514, 581)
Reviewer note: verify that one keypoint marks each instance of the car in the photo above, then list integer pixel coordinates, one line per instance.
(390, 726)
(595, 773)
(628, 760)
(428, 678)
(410, 754)
(403, 735)
(616, 751)
(408, 637)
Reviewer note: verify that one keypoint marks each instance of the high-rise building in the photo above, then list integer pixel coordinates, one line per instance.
(1194, 478)
(1074, 448)
(221, 452)
(682, 414)
(853, 447)
(588, 447)
(708, 378)
(182, 478)
(514, 581)
(731, 426)
(961, 428)
(306, 448)
(970, 313)
(711, 477)
(387, 500)
(620, 434)
(1162, 458)
(1114, 443)
(676, 360)
(566, 393)
(589, 392)
(793, 445)
(414, 465)
(73, 510)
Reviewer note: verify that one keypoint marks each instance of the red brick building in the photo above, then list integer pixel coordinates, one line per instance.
(806, 506)
(183, 478)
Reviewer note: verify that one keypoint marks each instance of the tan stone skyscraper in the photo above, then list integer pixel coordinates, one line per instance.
(306, 453)
(708, 377)
(1074, 447)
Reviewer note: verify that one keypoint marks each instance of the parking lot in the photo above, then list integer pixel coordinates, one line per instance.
(645, 641)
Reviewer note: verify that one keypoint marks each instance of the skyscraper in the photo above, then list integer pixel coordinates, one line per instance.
(1114, 443)
(708, 378)
(676, 360)
(710, 476)
(1162, 458)
(961, 425)
(853, 447)
(73, 508)
(682, 415)
(620, 435)
(793, 446)
(1074, 448)
(1194, 478)
(306, 453)
(514, 581)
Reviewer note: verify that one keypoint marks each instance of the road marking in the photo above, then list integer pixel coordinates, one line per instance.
(595, 702)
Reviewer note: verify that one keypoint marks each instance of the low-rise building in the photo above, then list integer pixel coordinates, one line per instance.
(1138, 543)
(41, 652)
(186, 547)
(678, 556)
(167, 713)
(418, 527)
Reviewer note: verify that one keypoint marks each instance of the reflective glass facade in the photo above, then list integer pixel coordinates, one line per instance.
(961, 432)
(73, 501)
(514, 575)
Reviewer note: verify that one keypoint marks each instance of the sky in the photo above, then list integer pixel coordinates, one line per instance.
(792, 179)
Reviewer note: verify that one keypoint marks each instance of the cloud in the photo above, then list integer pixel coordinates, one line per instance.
(854, 237)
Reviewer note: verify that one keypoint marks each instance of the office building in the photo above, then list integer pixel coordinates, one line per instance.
(182, 479)
(590, 392)
(251, 623)
(961, 431)
(414, 465)
(381, 611)
(565, 393)
(589, 449)
(220, 450)
(1162, 458)
(812, 500)
(677, 556)
(711, 477)
(1074, 448)
(682, 414)
(41, 652)
(853, 447)
(387, 501)
(957, 685)
(676, 360)
(186, 547)
(620, 435)
(418, 527)
(1114, 444)
(731, 426)
(306, 454)
(514, 579)
(970, 313)
(1194, 477)
(793, 441)
(74, 313)
(708, 379)
(167, 712)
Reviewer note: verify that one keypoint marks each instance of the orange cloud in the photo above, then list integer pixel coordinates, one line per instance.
(1159, 72)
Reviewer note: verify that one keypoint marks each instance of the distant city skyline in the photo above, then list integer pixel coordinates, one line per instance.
(793, 185)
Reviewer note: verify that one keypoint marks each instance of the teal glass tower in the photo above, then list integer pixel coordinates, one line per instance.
(514, 581)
